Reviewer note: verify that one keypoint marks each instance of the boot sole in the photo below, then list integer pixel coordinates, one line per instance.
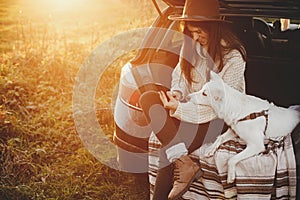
(196, 175)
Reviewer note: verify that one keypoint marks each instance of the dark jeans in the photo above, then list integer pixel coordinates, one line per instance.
(164, 177)
(171, 131)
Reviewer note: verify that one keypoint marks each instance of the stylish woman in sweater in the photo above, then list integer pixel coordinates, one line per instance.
(212, 47)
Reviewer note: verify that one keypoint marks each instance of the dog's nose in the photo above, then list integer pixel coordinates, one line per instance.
(188, 97)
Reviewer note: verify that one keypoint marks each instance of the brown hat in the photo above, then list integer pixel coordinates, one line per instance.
(199, 10)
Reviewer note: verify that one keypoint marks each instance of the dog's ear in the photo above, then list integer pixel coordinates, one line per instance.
(214, 76)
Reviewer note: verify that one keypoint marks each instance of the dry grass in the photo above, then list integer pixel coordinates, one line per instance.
(41, 50)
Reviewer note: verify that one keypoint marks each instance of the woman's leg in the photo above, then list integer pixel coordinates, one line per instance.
(172, 133)
(193, 136)
(158, 118)
(165, 176)
(192, 140)
(163, 183)
(207, 132)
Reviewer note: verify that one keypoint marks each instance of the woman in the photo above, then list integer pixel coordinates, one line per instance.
(212, 47)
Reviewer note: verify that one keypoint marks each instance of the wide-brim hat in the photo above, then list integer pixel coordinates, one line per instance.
(199, 10)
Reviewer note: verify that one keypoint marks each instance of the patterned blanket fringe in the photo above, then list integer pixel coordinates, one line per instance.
(269, 175)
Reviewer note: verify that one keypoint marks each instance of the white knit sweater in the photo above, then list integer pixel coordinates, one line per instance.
(232, 74)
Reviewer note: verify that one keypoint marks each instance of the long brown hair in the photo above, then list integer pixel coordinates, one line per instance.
(217, 31)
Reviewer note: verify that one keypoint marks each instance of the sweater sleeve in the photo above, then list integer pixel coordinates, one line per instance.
(233, 71)
(232, 74)
(178, 84)
(196, 114)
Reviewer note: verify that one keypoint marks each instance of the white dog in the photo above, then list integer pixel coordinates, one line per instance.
(250, 118)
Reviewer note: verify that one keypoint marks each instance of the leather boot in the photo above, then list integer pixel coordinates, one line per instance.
(185, 172)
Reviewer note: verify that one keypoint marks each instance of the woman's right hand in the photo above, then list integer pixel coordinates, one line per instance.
(176, 94)
(172, 103)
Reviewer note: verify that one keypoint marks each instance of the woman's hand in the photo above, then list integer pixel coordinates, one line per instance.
(172, 104)
(177, 95)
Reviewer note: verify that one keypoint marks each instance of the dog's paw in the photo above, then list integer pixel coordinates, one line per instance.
(231, 176)
(210, 151)
(212, 148)
(231, 171)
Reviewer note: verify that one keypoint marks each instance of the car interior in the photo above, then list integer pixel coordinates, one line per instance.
(272, 61)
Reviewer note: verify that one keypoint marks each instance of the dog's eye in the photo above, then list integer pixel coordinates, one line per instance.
(204, 94)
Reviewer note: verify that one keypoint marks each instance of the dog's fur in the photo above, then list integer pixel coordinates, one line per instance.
(231, 106)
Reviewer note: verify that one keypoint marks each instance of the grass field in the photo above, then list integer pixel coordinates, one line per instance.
(43, 43)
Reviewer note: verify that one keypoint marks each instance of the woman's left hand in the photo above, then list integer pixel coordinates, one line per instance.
(172, 103)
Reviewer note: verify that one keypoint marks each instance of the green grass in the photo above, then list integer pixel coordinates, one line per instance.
(41, 51)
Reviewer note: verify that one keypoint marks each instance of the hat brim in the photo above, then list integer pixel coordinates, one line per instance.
(195, 19)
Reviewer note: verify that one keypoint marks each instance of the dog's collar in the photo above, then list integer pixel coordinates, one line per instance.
(255, 115)
(251, 116)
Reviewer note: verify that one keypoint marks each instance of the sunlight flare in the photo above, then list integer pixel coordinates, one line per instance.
(60, 5)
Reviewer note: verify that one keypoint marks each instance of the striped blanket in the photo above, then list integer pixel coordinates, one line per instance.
(269, 175)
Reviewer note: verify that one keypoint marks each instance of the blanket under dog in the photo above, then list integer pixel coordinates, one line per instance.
(269, 175)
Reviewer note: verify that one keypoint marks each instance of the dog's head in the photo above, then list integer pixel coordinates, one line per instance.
(211, 94)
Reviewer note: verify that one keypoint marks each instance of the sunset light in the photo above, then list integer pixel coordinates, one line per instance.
(60, 5)
(65, 4)
(43, 45)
